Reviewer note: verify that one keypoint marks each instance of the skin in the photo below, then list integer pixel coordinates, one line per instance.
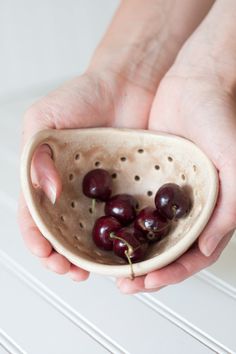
(196, 100)
(159, 79)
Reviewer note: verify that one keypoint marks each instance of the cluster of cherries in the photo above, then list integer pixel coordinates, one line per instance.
(124, 230)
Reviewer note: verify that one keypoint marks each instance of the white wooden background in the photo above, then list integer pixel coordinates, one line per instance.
(41, 44)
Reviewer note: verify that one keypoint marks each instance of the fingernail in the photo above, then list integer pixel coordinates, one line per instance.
(206, 251)
(209, 246)
(152, 284)
(49, 189)
(126, 290)
(127, 286)
(154, 289)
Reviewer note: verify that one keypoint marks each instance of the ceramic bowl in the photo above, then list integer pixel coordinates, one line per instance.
(139, 162)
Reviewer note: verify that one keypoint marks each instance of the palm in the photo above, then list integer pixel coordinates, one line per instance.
(88, 101)
(202, 111)
(92, 100)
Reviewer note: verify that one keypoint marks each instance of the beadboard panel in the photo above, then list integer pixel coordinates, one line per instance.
(37, 326)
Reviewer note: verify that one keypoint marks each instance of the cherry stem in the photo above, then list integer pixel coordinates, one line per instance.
(131, 265)
(128, 252)
(93, 206)
(174, 209)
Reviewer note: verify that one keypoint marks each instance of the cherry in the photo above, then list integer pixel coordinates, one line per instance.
(97, 184)
(102, 229)
(122, 206)
(172, 201)
(152, 224)
(129, 244)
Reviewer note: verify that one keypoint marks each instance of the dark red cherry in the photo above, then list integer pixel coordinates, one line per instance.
(102, 229)
(123, 207)
(152, 224)
(97, 184)
(129, 243)
(172, 201)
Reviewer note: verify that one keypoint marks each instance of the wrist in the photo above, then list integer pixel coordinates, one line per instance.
(142, 61)
(211, 51)
(143, 41)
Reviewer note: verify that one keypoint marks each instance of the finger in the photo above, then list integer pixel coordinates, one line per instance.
(56, 263)
(32, 237)
(223, 219)
(78, 274)
(153, 290)
(190, 263)
(44, 173)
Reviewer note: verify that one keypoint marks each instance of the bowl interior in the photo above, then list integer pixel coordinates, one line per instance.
(139, 162)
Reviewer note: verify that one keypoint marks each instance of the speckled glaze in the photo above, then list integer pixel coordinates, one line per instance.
(140, 162)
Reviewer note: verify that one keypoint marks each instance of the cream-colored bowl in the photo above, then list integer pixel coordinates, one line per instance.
(140, 162)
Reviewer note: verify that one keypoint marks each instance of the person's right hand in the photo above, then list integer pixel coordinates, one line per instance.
(91, 100)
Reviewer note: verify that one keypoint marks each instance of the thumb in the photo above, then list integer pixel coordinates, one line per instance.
(44, 174)
(223, 219)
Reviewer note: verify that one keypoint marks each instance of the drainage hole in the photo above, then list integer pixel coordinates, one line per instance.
(140, 151)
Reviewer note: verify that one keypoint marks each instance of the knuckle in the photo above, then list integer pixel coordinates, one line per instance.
(42, 110)
(31, 113)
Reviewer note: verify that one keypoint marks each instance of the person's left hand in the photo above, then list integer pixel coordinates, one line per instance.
(199, 107)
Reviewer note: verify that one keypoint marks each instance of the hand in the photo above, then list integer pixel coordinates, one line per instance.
(88, 101)
(196, 100)
(202, 111)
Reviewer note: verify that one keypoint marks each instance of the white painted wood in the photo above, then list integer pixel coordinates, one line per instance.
(225, 267)
(218, 282)
(3, 350)
(36, 325)
(201, 308)
(65, 309)
(9, 345)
